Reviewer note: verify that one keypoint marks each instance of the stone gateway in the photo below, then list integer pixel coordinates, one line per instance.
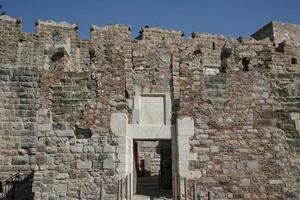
(209, 116)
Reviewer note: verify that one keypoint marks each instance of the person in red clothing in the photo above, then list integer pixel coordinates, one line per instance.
(138, 163)
(137, 159)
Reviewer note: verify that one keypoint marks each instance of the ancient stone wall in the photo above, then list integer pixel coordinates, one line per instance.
(58, 93)
(286, 32)
(234, 122)
(149, 152)
(279, 32)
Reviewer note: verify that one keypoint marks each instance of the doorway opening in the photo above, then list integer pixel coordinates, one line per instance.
(152, 169)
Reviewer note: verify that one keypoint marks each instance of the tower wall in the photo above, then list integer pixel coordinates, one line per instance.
(58, 93)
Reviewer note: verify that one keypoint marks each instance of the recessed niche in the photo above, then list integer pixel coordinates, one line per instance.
(210, 70)
(294, 61)
(82, 133)
(92, 54)
(197, 52)
(126, 94)
(60, 52)
(152, 110)
(245, 63)
(56, 37)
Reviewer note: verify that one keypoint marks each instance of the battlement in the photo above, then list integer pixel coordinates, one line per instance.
(264, 32)
(7, 18)
(50, 36)
(286, 32)
(279, 32)
(56, 24)
(50, 25)
(158, 34)
(73, 109)
(10, 26)
(200, 36)
(117, 32)
(275, 31)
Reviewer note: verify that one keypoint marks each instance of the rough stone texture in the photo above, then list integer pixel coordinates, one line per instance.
(57, 94)
(149, 152)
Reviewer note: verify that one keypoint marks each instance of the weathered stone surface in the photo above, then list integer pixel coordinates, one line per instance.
(76, 149)
(108, 164)
(65, 106)
(84, 165)
(20, 160)
(62, 176)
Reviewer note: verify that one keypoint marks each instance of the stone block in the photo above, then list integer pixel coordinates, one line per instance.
(245, 182)
(118, 123)
(208, 180)
(98, 149)
(28, 141)
(269, 114)
(31, 151)
(253, 165)
(40, 160)
(65, 133)
(97, 165)
(108, 164)
(185, 126)
(203, 158)
(275, 181)
(20, 160)
(84, 165)
(18, 126)
(60, 188)
(76, 149)
(62, 176)
(88, 149)
(43, 167)
(44, 127)
(51, 150)
(110, 149)
(43, 112)
(214, 149)
(92, 156)
(224, 180)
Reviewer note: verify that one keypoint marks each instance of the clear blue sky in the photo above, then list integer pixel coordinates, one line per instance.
(226, 17)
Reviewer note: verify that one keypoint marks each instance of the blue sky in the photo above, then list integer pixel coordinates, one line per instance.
(227, 17)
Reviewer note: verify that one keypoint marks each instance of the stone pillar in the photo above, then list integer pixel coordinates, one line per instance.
(296, 118)
(185, 129)
(118, 125)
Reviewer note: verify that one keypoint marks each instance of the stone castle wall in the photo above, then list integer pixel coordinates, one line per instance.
(149, 152)
(58, 93)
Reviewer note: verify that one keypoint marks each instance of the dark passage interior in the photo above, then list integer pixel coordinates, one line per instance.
(153, 162)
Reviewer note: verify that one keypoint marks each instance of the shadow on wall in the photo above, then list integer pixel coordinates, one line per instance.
(17, 187)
